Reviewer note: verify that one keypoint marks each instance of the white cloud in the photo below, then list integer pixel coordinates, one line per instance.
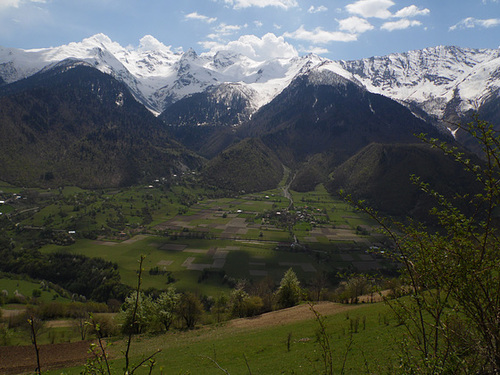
(268, 47)
(212, 46)
(320, 36)
(150, 43)
(371, 8)
(4, 4)
(224, 30)
(492, 22)
(319, 9)
(315, 50)
(227, 29)
(200, 17)
(9, 4)
(411, 11)
(285, 4)
(400, 25)
(355, 25)
(380, 9)
(258, 23)
(470, 23)
(493, 1)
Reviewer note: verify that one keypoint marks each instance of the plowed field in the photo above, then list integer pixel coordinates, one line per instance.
(22, 359)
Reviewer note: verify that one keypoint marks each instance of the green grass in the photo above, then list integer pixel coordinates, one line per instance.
(69, 191)
(373, 347)
(237, 262)
(8, 188)
(6, 209)
(26, 288)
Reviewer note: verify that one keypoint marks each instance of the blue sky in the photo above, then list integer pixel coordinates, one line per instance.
(336, 29)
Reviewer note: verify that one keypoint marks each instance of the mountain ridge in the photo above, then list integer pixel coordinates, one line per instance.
(72, 124)
(443, 82)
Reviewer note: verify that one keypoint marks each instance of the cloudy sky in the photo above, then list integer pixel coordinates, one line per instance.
(336, 29)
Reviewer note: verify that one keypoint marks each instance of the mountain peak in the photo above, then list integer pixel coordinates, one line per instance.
(190, 54)
(149, 43)
(99, 38)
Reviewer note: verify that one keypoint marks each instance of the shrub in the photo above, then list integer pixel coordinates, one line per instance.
(107, 325)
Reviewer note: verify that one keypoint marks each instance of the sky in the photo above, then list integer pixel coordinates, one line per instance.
(335, 29)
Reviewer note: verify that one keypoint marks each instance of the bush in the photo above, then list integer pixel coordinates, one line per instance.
(254, 305)
(51, 310)
(107, 325)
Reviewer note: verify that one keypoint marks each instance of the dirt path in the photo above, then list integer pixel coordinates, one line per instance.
(290, 315)
(59, 323)
(10, 313)
(286, 190)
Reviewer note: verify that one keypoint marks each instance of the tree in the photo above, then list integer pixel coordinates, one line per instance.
(451, 275)
(138, 317)
(79, 312)
(35, 325)
(99, 363)
(166, 307)
(190, 309)
(220, 307)
(355, 287)
(318, 284)
(289, 292)
(237, 302)
(264, 288)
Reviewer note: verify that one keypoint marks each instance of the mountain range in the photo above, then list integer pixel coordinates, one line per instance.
(439, 82)
(97, 114)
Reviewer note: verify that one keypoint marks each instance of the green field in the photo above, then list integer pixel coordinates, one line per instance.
(233, 237)
(197, 241)
(365, 335)
(25, 288)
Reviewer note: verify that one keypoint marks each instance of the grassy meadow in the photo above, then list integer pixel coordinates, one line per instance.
(362, 338)
(28, 289)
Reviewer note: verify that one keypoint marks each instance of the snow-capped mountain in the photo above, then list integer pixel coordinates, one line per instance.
(155, 74)
(438, 81)
(433, 77)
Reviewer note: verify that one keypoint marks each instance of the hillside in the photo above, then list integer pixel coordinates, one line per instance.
(381, 175)
(322, 112)
(75, 125)
(247, 166)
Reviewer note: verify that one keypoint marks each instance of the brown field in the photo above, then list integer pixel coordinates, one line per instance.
(21, 359)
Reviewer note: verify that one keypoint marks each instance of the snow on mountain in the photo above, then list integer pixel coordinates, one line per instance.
(430, 79)
(156, 75)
